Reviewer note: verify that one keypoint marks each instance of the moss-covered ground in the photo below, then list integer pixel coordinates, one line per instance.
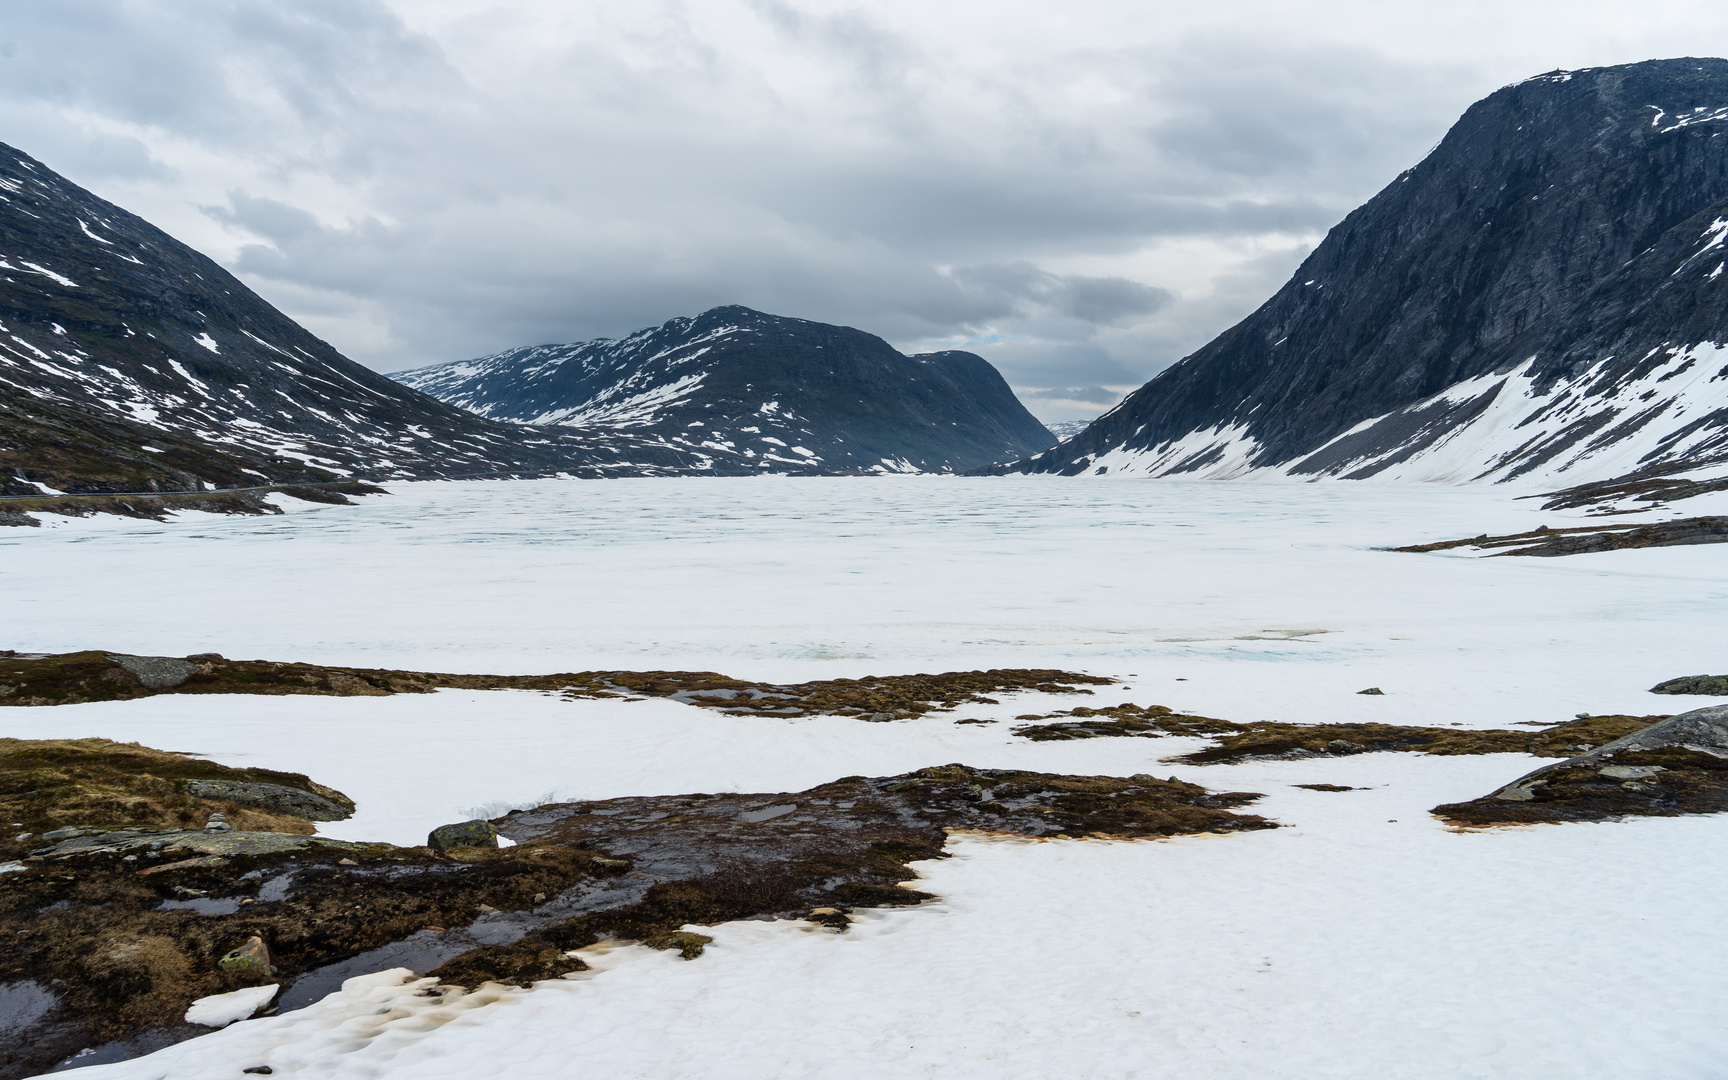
(1680, 781)
(126, 943)
(93, 675)
(48, 784)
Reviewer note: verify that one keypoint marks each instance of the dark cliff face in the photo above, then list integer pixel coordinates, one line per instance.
(756, 392)
(1540, 295)
(128, 361)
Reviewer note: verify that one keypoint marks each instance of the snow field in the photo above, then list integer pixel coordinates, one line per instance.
(1362, 940)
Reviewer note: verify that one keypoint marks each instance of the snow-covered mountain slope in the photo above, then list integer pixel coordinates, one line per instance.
(1544, 296)
(129, 361)
(750, 391)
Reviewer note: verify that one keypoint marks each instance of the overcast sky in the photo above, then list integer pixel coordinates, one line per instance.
(1081, 192)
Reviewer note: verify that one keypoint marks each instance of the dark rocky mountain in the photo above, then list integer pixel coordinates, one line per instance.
(754, 392)
(130, 362)
(1543, 296)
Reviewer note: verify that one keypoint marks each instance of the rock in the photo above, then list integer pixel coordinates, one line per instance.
(157, 672)
(261, 1070)
(1701, 730)
(539, 898)
(1344, 746)
(217, 823)
(184, 864)
(601, 860)
(346, 862)
(208, 656)
(68, 833)
(877, 717)
(476, 833)
(488, 909)
(254, 956)
(1713, 685)
(1630, 772)
(21, 837)
(1373, 691)
(276, 797)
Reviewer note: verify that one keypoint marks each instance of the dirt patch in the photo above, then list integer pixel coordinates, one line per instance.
(1242, 742)
(1665, 782)
(1337, 740)
(49, 784)
(1126, 719)
(157, 506)
(126, 952)
(70, 678)
(1581, 541)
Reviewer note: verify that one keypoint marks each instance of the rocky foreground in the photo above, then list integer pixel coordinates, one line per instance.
(128, 939)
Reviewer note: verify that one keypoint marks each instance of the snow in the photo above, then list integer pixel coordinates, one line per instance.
(207, 342)
(47, 273)
(90, 234)
(1362, 940)
(220, 1010)
(1636, 421)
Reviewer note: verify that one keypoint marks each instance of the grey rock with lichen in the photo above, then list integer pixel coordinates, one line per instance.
(277, 797)
(1702, 730)
(252, 957)
(181, 842)
(157, 672)
(1712, 685)
(476, 833)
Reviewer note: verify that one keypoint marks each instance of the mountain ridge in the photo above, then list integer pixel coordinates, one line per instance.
(751, 391)
(1476, 319)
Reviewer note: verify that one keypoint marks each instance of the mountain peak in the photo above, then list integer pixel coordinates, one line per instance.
(1487, 314)
(752, 392)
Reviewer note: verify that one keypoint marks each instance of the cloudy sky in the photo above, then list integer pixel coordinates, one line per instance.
(1083, 192)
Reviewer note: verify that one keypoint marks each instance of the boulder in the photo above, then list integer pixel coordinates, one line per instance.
(254, 956)
(275, 797)
(476, 833)
(67, 833)
(157, 672)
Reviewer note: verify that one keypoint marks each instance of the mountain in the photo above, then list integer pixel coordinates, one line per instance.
(130, 362)
(1543, 296)
(757, 392)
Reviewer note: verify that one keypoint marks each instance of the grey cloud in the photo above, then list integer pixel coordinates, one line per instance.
(271, 219)
(1022, 288)
(413, 210)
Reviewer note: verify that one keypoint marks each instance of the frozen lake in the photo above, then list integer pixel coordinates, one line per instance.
(1267, 597)
(1364, 940)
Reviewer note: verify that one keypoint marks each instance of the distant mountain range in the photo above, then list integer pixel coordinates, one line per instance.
(130, 362)
(1544, 296)
(747, 391)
